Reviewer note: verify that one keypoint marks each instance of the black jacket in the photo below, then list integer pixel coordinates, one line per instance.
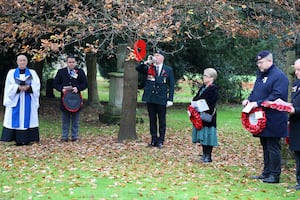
(159, 88)
(294, 132)
(63, 78)
(210, 94)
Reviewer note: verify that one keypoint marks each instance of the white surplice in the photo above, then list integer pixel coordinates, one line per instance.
(11, 98)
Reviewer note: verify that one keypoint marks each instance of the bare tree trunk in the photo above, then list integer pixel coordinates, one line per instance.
(91, 61)
(38, 67)
(129, 104)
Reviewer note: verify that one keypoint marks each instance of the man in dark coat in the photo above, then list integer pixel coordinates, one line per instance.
(70, 79)
(158, 94)
(294, 133)
(271, 84)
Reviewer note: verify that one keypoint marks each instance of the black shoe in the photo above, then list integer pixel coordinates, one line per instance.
(64, 140)
(159, 145)
(202, 157)
(207, 158)
(21, 144)
(259, 177)
(271, 179)
(151, 145)
(75, 140)
(296, 187)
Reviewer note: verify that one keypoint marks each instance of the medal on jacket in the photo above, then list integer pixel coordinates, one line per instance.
(165, 79)
(73, 73)
(165, 76)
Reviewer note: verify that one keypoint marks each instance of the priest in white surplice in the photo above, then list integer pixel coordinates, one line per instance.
(21, 101)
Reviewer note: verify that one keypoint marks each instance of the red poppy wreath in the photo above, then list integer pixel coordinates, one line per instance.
(279, 105)
(195, 117)
(252, 123)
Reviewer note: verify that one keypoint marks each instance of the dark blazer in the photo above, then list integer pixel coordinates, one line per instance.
(294, 133)
(269, 86)
(210, 94)
(158, 89)
(63, 78)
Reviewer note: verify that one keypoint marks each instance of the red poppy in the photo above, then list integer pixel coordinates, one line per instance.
(151, 70)
(253, 125)
(164, 73)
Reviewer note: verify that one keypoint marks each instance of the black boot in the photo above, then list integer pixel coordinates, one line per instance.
(207, 158)
(204, 149)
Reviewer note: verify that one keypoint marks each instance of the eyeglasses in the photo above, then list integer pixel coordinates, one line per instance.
(260, 62)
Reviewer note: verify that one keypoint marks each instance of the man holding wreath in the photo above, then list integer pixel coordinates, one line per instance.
(70, 79)
(271, 84)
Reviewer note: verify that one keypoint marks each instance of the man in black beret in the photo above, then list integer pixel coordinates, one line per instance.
(271, 84)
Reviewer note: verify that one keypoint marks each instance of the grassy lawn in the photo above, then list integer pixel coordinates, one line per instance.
(100, 168)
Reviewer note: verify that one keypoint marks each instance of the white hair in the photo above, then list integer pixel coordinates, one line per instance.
(297, 61)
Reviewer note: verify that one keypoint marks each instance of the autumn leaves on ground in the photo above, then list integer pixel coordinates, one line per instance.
(99, 167)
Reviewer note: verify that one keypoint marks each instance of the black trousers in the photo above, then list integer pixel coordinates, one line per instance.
(272, 156)
(156, 113)
(297, 158)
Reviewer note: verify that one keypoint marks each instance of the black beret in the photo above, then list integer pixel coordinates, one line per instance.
(160, 52)
(262, 55)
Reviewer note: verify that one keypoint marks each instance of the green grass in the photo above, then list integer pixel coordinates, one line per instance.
(101, 168)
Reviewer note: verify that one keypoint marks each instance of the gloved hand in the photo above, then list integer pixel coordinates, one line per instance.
(169, 103)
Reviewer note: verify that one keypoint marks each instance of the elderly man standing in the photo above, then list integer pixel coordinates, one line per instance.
(21, 101)
(158, 94)
(271, 83)
(294, 136)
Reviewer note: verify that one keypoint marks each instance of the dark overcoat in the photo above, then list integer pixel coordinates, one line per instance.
(63, 78)
(210, 94)
(158, 89)
(269, 86)
(294, 133)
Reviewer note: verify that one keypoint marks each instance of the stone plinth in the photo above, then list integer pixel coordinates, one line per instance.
(112, 112)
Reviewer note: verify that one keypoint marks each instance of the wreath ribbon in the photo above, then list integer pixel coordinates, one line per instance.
(277, 106)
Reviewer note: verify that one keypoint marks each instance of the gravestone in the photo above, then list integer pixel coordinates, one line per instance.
(112, 111)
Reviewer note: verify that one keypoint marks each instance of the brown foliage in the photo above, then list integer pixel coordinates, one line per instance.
(45, 27)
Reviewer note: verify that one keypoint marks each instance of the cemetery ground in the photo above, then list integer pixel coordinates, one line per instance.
(98, 167)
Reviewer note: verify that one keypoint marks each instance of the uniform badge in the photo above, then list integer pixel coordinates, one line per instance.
(264, 80)
(294, 89)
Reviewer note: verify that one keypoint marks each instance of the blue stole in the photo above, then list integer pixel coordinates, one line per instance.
(16, 110)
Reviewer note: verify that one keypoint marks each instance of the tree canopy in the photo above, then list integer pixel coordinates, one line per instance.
(197, 32)
(44, 27)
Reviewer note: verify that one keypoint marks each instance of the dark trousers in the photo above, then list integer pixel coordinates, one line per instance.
(68, 119)
(157, 112)
(297, 158)
(272, 156)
